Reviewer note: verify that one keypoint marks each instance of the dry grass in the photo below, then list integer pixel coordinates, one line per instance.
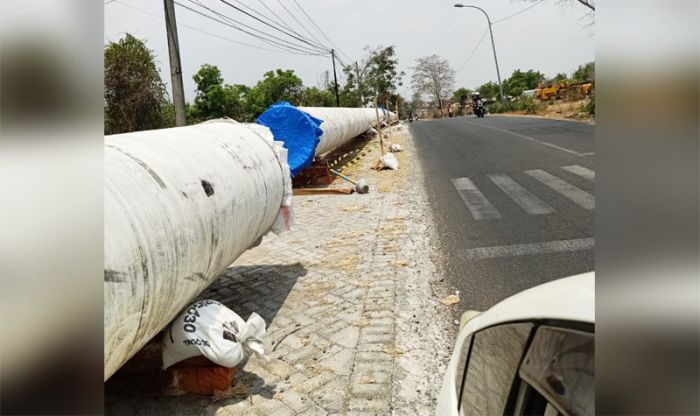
(394, 350)
(400, 263)
(562, 109)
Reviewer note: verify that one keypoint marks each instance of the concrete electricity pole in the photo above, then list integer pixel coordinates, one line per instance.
(175, 65)
(335, 79)
(493, 45)
(359, 83)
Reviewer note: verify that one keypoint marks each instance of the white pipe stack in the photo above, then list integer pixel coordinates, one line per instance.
(180, 206)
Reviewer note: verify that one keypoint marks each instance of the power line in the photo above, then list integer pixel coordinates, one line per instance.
(320, 30)
(234, 21)
(279, 19)
(202, 31)
(304, 40)
(517, 13)
(483, 36)
(275, 22)
(302, 25)
(279, 43)
(296, 20)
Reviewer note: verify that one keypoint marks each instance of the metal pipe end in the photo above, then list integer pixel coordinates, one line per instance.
(361, 187)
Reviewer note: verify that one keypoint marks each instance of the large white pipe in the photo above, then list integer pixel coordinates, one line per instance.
(180, 206)
(341, 124)
(312, 131)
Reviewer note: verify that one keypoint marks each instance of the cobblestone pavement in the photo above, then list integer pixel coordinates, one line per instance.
(350, 296)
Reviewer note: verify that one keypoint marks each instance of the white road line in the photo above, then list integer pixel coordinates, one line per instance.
(521, 196)
(581, 171)
(577, 195)
(478, 205)
(529, 249)
(522, 136)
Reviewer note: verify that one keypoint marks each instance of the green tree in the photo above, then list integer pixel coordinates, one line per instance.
(584, 72)
(489, 90)
(416, 104)
(134, 93)
(214, 99)
(382, 76)
(352, 94)
(558, 78)
(315, 97)
(277, 85)
(461, 95)
(520, 81)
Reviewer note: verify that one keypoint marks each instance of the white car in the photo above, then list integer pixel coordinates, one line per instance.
(531, 354)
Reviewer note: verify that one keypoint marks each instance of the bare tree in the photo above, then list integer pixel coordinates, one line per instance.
(433, 75)
(590, 4)
(323, 80)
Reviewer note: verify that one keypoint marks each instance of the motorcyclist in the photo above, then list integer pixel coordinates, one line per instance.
(476, 99)
(477, 102)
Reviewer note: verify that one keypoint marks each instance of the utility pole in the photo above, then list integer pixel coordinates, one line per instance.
(493, 45)
(359, 83)
(335, 79)
(175, 65)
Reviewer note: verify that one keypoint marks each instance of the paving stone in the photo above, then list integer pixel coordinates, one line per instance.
(340, 363)
(376, 338)
(373, 356)
(346, 337)
(238, 407)
(371, 391)
(315, 382)
(334, 302)
(332, 396)
(301, 354)
(294, 400)
(313, 411)
(284, 411)
(361, 406)
(302, 319)
(378, 329)
(280, 368)
(380, 346)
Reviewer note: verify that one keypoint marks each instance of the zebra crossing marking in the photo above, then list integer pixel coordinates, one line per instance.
(528, 249)
(575, 194)
(476, 202)
(521, 196)
(580, 171)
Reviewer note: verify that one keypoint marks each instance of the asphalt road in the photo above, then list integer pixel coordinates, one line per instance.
(513, 198)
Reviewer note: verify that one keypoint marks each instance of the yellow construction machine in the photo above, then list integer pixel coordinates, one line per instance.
(561, 90)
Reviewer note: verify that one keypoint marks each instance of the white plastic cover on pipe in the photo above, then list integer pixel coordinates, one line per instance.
(341, 124)
(180, 206)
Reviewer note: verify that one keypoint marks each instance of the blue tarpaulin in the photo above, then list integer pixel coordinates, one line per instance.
(299, 131)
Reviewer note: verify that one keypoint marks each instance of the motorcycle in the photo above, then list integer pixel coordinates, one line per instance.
(479, 110)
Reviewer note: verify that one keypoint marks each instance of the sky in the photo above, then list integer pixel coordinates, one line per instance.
(551, 37)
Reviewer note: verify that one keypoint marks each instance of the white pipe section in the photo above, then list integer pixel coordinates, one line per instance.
(342, 124)
(180, 206)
